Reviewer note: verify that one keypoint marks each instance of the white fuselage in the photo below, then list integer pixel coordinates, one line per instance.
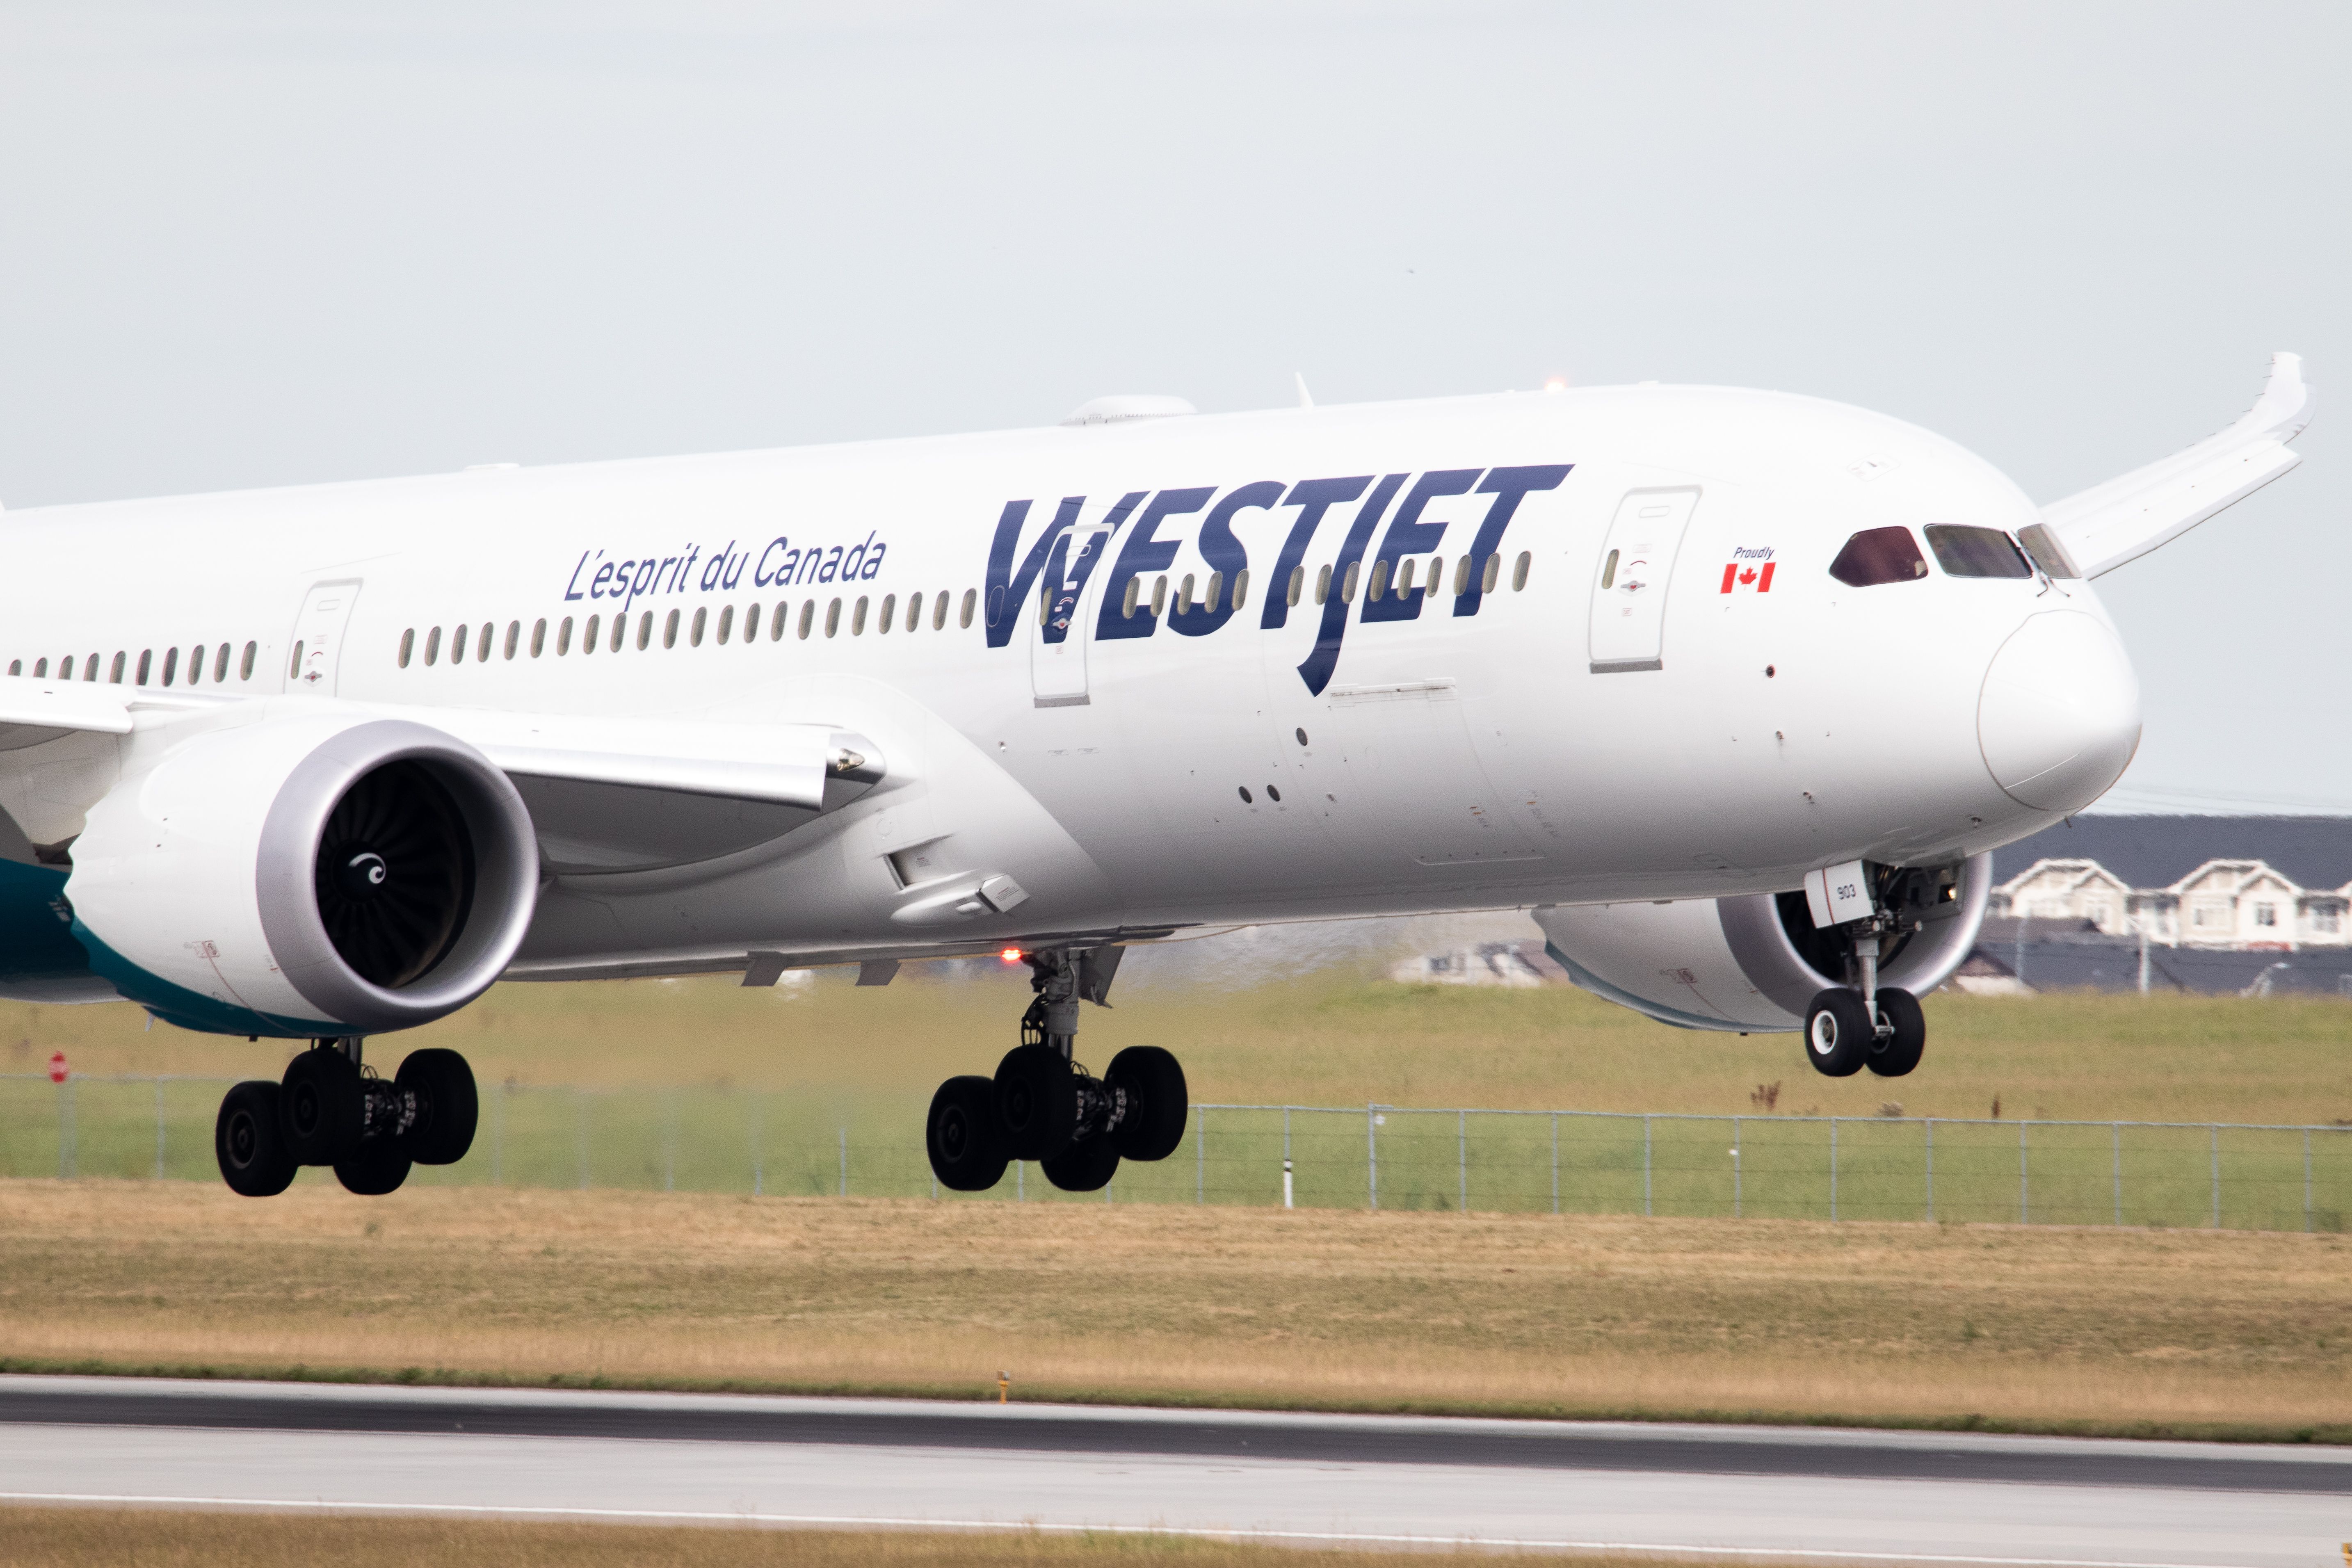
(1698, 728)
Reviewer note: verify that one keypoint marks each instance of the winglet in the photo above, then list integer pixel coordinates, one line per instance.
(2117, 522)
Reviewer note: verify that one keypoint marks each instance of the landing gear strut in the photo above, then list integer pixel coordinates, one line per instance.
(1879, 1028)
(329, 1110)
(1042, 1106)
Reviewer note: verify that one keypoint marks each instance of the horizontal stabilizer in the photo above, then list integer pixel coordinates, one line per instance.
(2121, 521)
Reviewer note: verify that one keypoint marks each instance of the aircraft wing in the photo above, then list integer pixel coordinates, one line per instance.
(2108, 525)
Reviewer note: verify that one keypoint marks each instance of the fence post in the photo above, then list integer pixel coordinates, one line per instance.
(579, 1104)
(2216, 1131)
(1555, 1164)
(1736, 1189)
(66, 1126)
(1931, 1169)
(1372, 1158)
(159, 1127)
(1200, 1158)
(844, 1163)
(1833, 1122)
(2024, 1209)
(498, 1135)
(2307, 1179)
(1462, 1158)
(759, 1154)
(669, 1142)
(2119, 1172)
(1645, 1162)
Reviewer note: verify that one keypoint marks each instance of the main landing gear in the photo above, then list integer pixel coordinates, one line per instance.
(1870, 1026)
(1042, 1106)
(330, 1111)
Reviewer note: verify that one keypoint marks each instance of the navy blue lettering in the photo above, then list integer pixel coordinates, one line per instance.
(1142, 552)
(1319, 664)
(646, 572)
(1065, 581)
(1009, 590)
(762, 577)
(715, 566)
(1408, 536)
(831, 567)
(732, 574)
(853, 560)
(1314, 497)
(1224, 553)
(873, 562)
(572, 589)
(596, 583)
(1508, 486)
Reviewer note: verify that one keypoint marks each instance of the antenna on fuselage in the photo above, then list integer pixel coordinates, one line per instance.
(1305, 400)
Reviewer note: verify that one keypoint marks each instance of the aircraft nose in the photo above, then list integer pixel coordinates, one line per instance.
(2058, 719)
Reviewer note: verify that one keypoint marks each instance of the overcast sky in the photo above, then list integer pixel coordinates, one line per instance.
(256, 245)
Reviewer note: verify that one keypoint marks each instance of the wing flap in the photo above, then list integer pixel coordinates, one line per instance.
(2115, 523)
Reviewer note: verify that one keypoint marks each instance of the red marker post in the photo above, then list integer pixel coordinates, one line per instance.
(57, 1073)
(60, 1075)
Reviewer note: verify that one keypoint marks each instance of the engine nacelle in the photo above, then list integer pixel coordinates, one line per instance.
(312, 875)
(1752, 963)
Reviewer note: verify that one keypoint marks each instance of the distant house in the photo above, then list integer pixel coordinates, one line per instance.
(2248, 884)
(1515, 965)
(2248, 904)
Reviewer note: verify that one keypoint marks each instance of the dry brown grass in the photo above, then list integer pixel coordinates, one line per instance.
(2044, 1329)
(143, 1538)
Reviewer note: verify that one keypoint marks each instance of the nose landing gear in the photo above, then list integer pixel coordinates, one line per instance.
(1868, 1026)
(1042, 1106)
(327, 1110)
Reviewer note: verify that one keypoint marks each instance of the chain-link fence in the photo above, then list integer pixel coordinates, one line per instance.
(2224, 1176)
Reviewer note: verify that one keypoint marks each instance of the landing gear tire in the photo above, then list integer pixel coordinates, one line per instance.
(1838, 1033)
(322, 1106)
(1083, 1167)
(1152, 1125)
(1899, 1052)
(377, 1167)
(964, 1135)
(1036, 1101)
(446, 1107)
(249, 1142)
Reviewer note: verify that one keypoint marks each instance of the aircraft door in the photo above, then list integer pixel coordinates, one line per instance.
(1628, 583)
(318, 636)
(1063, 626)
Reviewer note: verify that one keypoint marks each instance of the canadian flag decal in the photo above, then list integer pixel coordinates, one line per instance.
(1749, 573)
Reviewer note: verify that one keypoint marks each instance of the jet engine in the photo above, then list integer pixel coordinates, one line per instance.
(316, 876)
(1753, 963)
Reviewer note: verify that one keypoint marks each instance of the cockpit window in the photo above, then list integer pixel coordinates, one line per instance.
(1879, 555)
(2047, 552)
(1977, 551)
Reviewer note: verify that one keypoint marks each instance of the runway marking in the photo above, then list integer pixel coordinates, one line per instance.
(683, 1516)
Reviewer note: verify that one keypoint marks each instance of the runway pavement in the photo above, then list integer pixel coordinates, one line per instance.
(1737, 1491)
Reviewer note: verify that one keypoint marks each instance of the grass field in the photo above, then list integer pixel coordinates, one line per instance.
(76, 1538)
(1327, 1038)
(2003, 1327)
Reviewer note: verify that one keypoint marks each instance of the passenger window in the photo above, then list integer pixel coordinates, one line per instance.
(433, 645)
(146, 666)
(1240, 588)
(971, 599)
(1492, 575)
(41, 667)
(15, 667)
(2047, 552)
(171, 664)
(244, 665)
(458, 642)
(890, 614)
(1878, 555)
(857, 618)
(808, 616)
(833, 618)
(587, 642)
(563, 637)
(1609, 571)
(1348, 584)
(939, 612)
(1519, 569)
(514, 636)
(220, 665)
(1964, 552)
(726, 623)
(482, 652)
(644, 631)
(90, 666)
(539, 636)
(669, 629)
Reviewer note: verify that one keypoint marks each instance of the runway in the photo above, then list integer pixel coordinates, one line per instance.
(1835, 1495)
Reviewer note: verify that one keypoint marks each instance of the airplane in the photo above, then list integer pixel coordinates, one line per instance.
(1735, 691)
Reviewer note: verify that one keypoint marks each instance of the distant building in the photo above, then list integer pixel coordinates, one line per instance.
(2246, 883)
(1515, 964)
